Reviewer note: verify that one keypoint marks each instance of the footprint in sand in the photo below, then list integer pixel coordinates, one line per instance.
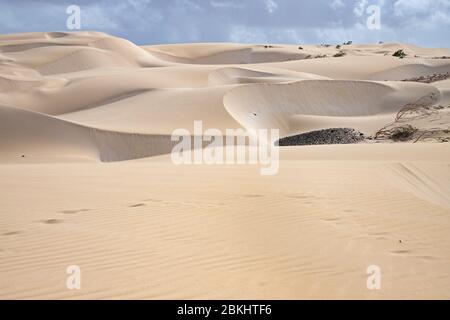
(11, 233)
(152, 200)
(251, 195)
(379, 235)
(400, 252)
(53, 221)
(299, 196)
(74, 211)
(137, 205)
(330, 219)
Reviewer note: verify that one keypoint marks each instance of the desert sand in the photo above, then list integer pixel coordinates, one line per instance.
(86, 176)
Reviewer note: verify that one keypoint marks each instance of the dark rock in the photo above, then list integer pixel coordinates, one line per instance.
(430, 78)
(326, 136)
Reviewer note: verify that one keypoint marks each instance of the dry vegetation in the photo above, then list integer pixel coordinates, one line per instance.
(418, 124)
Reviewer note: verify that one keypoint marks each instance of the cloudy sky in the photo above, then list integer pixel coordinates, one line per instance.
(422, 22)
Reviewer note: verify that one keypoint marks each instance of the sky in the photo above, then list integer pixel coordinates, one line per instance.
(420, 22)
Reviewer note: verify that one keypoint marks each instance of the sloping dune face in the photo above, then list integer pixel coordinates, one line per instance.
(44, 137)
(281, 106)
(24, 132)
(226, 53)
(87, 87)
(233, 75)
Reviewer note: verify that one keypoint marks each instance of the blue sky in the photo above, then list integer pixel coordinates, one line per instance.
(422, 22)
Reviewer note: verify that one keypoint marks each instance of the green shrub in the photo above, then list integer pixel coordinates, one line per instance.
(339, 54)
(399, 53)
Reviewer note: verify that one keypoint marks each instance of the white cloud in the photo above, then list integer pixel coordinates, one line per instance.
(248, 35)
(423, 14)
(418, 7)
(225, 4)
(410, 7)
(189, 4)
(360, 7)
(337, 4)
(424, 22)
(271, 5)
(96, 17)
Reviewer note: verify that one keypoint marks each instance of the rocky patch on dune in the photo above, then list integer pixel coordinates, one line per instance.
(412, 124)
(325, 136)
(430, 78)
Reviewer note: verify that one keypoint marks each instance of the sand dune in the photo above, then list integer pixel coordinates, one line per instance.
(425, 181)
(233, 75)
(86, 175)
(283, 105)
(27, 133)
(412, 70)
(226, 53)
(355, 67)
(170, 109)
(39, 136)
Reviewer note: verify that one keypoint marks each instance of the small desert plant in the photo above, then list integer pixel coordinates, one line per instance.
(403, 133)
(338, 46)
(339, 54)
(399, 53)
(300, 48)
